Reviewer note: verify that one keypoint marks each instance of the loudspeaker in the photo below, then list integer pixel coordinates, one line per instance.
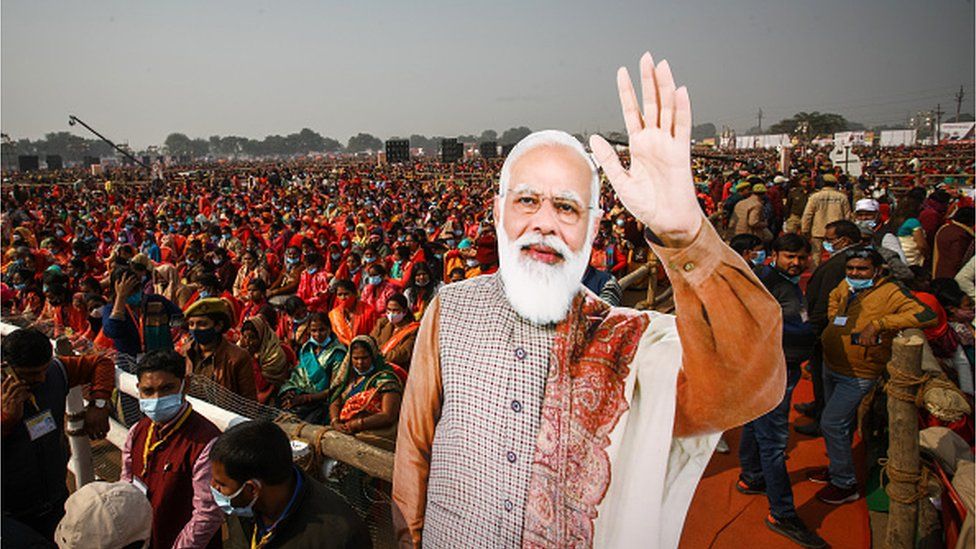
(451, 150)
(54, 162)
(397, 150)
(28, 163)
(488, 149)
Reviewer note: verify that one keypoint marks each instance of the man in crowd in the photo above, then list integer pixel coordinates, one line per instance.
(838, 237)
(210, 355)
(953, 244)
(116, 514)
(865, 312)
(279, 505)
(32, 407)
(138, 322)
(485, 458)
(762, 446)
(823, 207)
(796, 203)
(167, 456)
(867, 216)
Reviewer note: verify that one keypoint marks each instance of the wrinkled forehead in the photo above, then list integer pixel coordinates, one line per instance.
(551, 169)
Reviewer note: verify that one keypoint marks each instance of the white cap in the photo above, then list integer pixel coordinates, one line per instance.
(866, 205)
(105, 514)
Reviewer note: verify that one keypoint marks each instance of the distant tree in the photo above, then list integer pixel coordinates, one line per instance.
(364, 142)
(817, 123)
(514, 135)
(964, 117)
(703, 131)
(178, 144)
(488, 135)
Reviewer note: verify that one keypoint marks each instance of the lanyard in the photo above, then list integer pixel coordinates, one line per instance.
(266, 538)
(150, 446)
(139, 327)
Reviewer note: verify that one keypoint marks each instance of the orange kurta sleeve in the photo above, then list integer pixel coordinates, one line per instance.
(419, 414)
(733, 368)
(97, 369)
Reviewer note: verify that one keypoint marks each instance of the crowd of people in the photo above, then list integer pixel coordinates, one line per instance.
(301, 285)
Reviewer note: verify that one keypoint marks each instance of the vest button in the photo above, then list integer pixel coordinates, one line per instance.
(509, 505)
(517, 406)
(520, 353)
(510, 456)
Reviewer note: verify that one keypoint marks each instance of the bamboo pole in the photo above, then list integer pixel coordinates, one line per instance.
(373, 461)
(903, 454)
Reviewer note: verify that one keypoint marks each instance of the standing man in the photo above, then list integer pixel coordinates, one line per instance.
(522, 423)
(823, 207)
(32, 407)
(866, 311)
(796, 202)
(762, 447)
(167, 456)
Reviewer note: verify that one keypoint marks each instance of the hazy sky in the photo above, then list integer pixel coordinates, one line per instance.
(139, 70)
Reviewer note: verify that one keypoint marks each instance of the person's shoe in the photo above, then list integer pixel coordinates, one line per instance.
(744, 487)
(819, 476)
(806, 408)
(794, 529)
(835, 495)
(811, 429)
(722, 447)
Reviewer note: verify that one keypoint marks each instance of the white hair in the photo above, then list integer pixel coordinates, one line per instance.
(549, 138)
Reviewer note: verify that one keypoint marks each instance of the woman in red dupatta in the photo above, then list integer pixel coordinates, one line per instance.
(350, 317)
(396, 333)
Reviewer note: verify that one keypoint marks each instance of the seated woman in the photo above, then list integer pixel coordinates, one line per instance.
(271, 365)
(396, 332)
(367, 403)
(307, 391)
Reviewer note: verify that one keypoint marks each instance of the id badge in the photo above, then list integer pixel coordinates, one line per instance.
(804, 316)
(40, 424)
(840, 321)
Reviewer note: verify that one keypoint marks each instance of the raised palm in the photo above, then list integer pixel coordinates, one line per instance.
(658, 188)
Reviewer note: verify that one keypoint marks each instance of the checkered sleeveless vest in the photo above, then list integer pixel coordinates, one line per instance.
(493, 371)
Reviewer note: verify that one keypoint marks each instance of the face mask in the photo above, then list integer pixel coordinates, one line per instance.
(859, 284)
(300, 320)
(107, 240)
(401, 239)
(421, 282)
(224, 502)
(368, 260)
(471, 263)
(758, 258)
(191, 262)
(620, 222)
(318, 343)
(394, 318)
(164, 408)
(374, 280)
(217, 261)
(59, 232)
(335, 256)
(204, 337)
(20, 287)
(313, 270)
(868, 224)
(204, 293)
(344, 243)
(291, 260)
(828, 247)
(134, 299)
(348, 302)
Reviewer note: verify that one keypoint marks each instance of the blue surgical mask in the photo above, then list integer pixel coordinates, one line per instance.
(291, 260)
(224, 502)
(344, 243)
(868, 224)
(859, 284)
(335, 256)
(204, 294)
(164, 408)
(134, 299)
(313, 270)
(20, 287)
(758, 258)
(828, 247)
(374, 280)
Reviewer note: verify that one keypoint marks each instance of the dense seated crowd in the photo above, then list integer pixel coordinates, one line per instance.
(301, 284)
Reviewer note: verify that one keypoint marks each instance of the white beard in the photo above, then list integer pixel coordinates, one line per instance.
(539, 292)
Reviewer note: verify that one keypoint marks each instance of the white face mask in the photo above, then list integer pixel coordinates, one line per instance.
(395, 317)
(539, 292)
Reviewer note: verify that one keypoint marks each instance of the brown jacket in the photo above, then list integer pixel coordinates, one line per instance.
(824, 206)
(747, 217)
(229, 366)
(733, 366)
(403, 351)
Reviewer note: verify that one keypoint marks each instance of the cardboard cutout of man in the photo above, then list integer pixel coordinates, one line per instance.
(538, 416)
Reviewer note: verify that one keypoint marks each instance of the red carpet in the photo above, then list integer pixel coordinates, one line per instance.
(721, 517)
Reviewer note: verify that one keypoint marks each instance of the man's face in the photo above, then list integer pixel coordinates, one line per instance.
(838, 242)
(319, 330)
(343, 294)
(223, 483)
(791, 263)
(31, 376)
(860, 269)
(158, 384)
(541, 176)
(862, 215)
(255, 294)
